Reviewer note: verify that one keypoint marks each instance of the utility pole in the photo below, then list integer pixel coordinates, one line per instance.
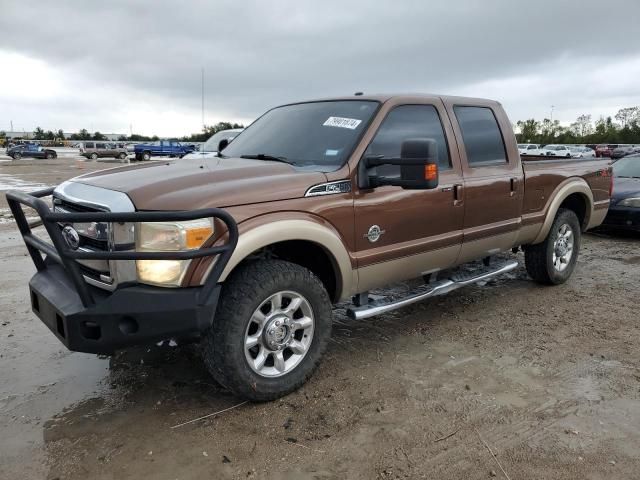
(203, 99)
(11, 121)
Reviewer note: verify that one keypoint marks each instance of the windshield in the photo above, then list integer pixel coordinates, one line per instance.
(316, 135)
(211, 145)
(627, 167)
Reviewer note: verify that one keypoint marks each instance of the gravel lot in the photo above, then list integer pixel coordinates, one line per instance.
(545, 379)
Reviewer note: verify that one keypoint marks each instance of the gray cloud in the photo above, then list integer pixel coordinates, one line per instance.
(257, 54)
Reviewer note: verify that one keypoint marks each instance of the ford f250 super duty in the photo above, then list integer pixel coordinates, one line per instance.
(315, 203)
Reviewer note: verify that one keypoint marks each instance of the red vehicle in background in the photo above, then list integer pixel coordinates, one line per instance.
(604, 150)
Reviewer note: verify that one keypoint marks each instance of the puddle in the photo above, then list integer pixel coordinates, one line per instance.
(9, 182)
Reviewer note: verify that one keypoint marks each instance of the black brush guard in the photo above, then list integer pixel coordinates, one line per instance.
(89, 319)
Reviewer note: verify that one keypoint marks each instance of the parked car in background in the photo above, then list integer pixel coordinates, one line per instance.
(604, 150)
(622, 152)
(95, 150)
(210, 148)
(556, 151)
(624, 211)
(30, 150)
(582, 152)
(162, 148)
(529, 149)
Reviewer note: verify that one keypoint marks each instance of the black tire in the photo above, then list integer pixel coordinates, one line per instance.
(17, 156)
(539, 258)
(138, 157)
(93, 156)
(146, 156)
(243, 292)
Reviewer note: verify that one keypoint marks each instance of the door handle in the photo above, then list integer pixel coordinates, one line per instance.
(458, 194)
(514, 186)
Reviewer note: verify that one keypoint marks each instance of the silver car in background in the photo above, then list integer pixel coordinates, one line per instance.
(582, 152)
(210, 148)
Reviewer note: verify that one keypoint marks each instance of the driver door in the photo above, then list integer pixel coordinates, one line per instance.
(402, 234)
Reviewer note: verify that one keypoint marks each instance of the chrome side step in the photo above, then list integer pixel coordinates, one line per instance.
(438, 288)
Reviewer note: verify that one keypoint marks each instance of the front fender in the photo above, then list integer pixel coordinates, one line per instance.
(267, 230)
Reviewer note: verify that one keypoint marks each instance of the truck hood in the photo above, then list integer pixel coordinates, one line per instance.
(188, 184)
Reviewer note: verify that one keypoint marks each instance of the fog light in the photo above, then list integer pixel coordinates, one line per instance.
(161, 272)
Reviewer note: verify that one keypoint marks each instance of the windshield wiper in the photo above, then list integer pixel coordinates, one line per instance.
(264, 156)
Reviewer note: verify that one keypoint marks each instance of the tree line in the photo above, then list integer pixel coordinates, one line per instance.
(626, 129)
(84, 134)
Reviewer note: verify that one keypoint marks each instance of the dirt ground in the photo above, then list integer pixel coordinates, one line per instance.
(546, 379)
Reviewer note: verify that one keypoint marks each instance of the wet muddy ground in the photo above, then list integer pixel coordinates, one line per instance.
(546, 379)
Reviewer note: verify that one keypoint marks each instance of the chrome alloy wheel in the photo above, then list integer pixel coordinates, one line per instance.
(563, 248)
(279, 334)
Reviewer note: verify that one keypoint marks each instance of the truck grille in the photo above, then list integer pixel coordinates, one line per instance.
(97, 270)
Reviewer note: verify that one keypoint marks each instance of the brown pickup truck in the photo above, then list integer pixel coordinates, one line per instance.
(315, 203)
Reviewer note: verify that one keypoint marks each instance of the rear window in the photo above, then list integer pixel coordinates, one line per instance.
(89, 145)
(481, 135)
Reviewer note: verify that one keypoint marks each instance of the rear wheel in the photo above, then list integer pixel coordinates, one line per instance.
(122, 156)
(146, 156)
(17, 156)
(48, 155)
(93, 156)
(271, 328)
(552, 262)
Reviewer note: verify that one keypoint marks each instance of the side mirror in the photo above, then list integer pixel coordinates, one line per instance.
(223, 144)
(418, 164)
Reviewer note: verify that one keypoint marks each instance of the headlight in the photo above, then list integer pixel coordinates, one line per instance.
(169, 237)
(630, 202)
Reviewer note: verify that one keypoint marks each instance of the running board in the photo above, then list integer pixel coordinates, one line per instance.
(438, 288)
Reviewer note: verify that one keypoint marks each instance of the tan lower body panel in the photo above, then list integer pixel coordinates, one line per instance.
(413, 266)
(600, 210)
(487, 246)
(405, 268)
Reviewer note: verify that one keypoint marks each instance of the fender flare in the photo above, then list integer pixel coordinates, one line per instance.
(560, 194)
(311, 230)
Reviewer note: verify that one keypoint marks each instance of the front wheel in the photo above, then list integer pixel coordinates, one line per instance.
(93, 156)
(17, 156)
(146, 156)
(271, 328)
(552, 262)
(122, 156)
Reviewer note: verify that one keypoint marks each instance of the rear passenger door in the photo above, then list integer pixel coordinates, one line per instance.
(493, 178)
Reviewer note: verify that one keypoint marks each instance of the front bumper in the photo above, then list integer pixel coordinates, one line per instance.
(89, 319)
(134, 315)
(623, 217)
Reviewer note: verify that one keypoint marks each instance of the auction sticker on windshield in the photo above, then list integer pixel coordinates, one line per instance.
(341, 122)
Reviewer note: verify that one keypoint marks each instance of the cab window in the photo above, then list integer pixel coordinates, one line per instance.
(481, 135)
(406, 122)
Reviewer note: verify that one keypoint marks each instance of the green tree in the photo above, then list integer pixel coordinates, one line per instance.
(529, 130)
(60, 134)
(98, 136)
(38, 134)
(627, 115)
(582, 126)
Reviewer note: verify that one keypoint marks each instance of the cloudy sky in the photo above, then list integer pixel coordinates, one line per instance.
(110, 65)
